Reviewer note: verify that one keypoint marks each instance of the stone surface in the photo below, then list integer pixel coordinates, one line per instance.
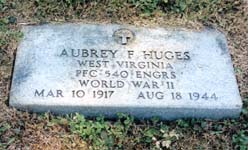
(105, 69)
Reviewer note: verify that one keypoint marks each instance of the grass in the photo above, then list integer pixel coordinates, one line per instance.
(22, 130)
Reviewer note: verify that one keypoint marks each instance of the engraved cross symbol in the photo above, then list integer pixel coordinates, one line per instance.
(124, 39)
(123, 36)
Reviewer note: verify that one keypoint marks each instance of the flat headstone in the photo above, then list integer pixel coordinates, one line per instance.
(105, 69)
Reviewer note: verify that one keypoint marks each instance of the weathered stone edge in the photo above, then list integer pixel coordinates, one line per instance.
(165, 113)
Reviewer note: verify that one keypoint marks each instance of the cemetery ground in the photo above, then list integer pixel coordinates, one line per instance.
(23, 130)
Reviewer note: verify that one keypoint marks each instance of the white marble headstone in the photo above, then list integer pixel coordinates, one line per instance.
(105, 69)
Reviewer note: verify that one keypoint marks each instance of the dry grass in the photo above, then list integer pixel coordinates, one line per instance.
(20, 130)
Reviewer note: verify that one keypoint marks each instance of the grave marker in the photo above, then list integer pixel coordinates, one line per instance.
(105, 69)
